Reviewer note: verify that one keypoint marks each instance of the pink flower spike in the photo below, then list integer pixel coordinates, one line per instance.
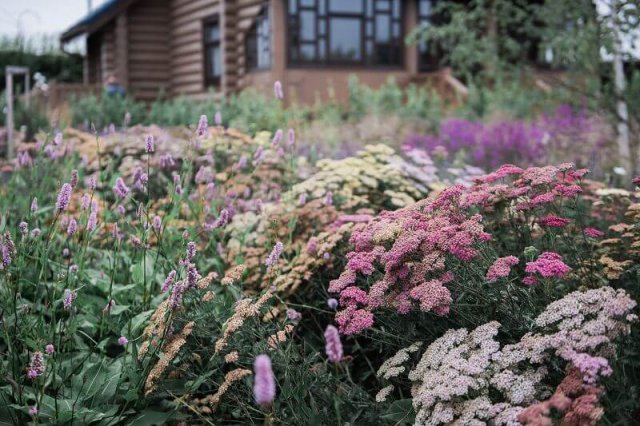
(333, 345)
(264, 386)
(277, 89)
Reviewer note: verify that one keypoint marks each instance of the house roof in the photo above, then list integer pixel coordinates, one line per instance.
(95, 19)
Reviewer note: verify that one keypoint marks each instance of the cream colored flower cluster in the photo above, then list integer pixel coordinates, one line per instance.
(460, 375)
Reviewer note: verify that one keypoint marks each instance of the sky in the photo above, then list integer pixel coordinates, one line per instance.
(33, 17)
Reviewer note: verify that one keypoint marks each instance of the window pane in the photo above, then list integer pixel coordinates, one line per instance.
(215, 62)
(383, 24)
(322, 27)
(396, 9)
(383, 5)
(346, 6)
(425, 8)
(293, 6)
(308, 3)
(308, 25)
(346, 39)
(212, 32)
(308, 52)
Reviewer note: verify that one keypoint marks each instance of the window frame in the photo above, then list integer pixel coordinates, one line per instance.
(366, 62)
(265, 13)
(208, 80)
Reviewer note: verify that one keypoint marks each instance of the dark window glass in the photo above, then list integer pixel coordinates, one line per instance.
(258, 42)
(350, 32)
(346, 39)
(346, 6)
(212, 52)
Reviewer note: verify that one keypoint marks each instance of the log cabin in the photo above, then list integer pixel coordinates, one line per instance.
(198, 48)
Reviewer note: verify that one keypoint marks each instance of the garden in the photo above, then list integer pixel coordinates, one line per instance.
(478, 273)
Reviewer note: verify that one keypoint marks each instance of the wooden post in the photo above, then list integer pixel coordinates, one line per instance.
(9, 90)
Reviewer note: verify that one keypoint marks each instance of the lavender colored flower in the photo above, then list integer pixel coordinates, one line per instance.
(258, 156)
(57, 139)
(168, 282)
(242, 162)
(121, 210)
(72, 227)
(73, 269)
(24, 159)
(179, 190)
(65, 252)
(221, 221)
(328, 199)
(217, 118)
(63, 197)
(35, 232)
(34, 205)
(291, 137)
(302, 200)
(36, 366)
(277, 138)
(333, 345)
(92, 183)
(264, 385)
(332, 303)
(74, 178)
(191, 250)
(176, 179)
(203, 126)
(166, 160)
(120, 189)
(175, 300)
(24, 228)
(293, 315)
(49, 349)
(68, 299)
(33, 410)
(136, 242)
(6, 256)
(122, 341)
(277, 90)
(85, 201)
(92, 221)
(274, 255)
(157, 223)
(149, 143)
(192, 275)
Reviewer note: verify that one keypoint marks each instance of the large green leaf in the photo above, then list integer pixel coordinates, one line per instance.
(400, 412)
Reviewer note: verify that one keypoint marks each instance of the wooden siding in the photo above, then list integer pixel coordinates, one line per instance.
(147, 55)
(186, 62)
(108, 56)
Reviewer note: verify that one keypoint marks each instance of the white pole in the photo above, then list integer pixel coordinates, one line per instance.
(624, 149)
(10, 146)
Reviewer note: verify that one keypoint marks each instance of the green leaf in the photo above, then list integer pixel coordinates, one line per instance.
(137, 322)
(149, 418)
(400, 412)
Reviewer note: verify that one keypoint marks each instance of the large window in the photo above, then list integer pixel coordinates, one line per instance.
(212, 52)
(345, 32)
(429, 54)
(258, 42)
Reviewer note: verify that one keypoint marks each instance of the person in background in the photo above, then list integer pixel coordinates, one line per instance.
(112, 87)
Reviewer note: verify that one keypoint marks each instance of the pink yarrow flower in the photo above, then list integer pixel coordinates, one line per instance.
(549, 265)
(554, 221)
(593, 232)
(501, 268)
